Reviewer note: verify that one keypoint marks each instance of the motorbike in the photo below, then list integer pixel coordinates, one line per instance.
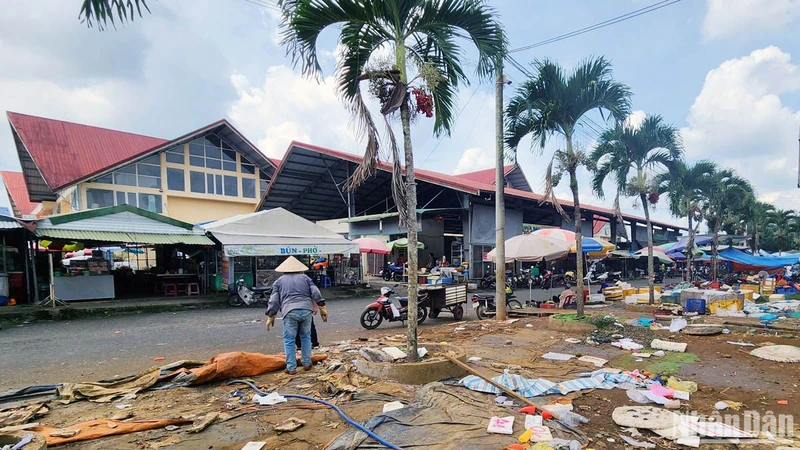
(384, 309)
(486, 282)
(240, 295)
(392, 272)
(569, 277)
(484, 303)
(658, 277)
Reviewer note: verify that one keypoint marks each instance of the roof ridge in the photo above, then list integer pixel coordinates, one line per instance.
(9, 113)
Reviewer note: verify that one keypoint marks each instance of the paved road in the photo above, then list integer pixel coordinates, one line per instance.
(93, 349)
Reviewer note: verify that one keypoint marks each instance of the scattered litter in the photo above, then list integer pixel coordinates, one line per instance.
(572, 340)
(783, 402)
(459, 329)
(689, 441)
(422, 351)
(627, 344)
(527, 325)
(122, 406)
(510, 321)
(159, 358)
(532, 421)
(122, 416)
(557, 356)
(677, 325)
(204, 422)
(168, 427)
(289, 425)
(658, 344)
(391, 406)
(252, 445)
(374, 355)
(680, 395)
(525, 436)
(779, 353)
(500, 399)
(540, 433)
(660, 354)
(640, 355)
(474, 359)
(646, 417)
(23, 442)
(64, 433)
(680, 385)
(638, 396)
(644, 322)
(718, 429)
(599, 362)
(720, 406)
(273, 398)
(743, 344)
(501, 425)
(395, 353)
(635, 443)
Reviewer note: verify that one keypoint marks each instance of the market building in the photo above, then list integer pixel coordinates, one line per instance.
(456, 212)
(207, 174)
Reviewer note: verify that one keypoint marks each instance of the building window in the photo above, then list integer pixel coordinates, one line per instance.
(99, 198)
(145, 173)
(175, 155)
(264, 181)
(231, 186)
(248, 167)
(150, 202)
(175, 179)
(213, 153)
(197, 182)
(106, 179)
(249, 187)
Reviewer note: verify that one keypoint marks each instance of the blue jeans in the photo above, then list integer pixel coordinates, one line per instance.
(294, 321)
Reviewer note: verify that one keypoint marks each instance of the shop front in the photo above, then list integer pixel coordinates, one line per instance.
(253, 245)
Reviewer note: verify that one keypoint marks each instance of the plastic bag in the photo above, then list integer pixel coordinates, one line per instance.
(677, 325)
(685, 386)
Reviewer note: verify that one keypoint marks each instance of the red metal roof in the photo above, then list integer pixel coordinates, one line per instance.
(275, 162)
(486, 176)
(18, 192)
(65, 152)
(454, 182)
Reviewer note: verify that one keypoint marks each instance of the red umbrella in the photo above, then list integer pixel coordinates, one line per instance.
(372, 245)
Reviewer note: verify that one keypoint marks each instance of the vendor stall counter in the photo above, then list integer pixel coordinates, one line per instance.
(85, 280)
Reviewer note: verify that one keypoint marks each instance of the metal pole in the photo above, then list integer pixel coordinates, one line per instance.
(499, 201)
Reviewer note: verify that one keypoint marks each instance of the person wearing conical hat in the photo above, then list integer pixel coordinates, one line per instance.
(296, 297)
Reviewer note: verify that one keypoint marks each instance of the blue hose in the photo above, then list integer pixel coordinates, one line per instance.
(329, 405)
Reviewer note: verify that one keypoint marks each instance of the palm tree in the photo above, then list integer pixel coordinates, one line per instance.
(726, 196)
(422, 36)
(783, 224)
(685, 185)
(103, 11)
(553, 102)
(755, 221)
(632, 153)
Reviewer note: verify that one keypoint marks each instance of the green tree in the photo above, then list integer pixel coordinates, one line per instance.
(423, 37)
(755, 221)
(726, 196)
(553, 102)
(630, 154)
(685, 186)
(783, 224)
(102, 12)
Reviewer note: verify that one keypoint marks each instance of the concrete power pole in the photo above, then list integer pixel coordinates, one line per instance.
(499, 201)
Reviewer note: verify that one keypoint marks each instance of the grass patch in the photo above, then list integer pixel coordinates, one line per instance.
(600, 322)
(669, 364)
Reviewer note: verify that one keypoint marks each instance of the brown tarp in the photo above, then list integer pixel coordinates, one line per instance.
(233, 365)
(94, 429)
(105, 391)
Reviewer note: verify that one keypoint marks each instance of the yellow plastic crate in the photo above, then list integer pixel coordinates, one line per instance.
(628, 292)
(716, 305)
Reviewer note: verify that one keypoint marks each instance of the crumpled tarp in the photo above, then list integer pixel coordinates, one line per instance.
(106, 391)
(227, 366)
(441, 417)
(94, 429)
(21, 414)
(539, 386)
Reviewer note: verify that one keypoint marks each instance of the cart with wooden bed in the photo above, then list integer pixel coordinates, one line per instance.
(445, 297)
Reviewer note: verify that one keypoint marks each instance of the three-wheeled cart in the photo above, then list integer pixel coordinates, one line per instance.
(446, 297)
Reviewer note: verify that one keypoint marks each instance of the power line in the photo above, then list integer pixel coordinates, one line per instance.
(265, 4)
(648, 9)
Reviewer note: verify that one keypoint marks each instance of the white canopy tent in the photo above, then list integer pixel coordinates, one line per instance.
(277, 232)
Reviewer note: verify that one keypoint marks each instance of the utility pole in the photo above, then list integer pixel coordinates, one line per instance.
(499, 200)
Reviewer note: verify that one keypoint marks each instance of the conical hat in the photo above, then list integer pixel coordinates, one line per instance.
(291, 265)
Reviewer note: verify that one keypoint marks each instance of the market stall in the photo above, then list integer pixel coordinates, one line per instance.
(254, 244)
(94, 277)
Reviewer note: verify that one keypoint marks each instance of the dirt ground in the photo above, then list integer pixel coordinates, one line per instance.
(721, 370)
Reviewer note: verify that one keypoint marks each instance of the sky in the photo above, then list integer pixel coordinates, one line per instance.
(726, 73)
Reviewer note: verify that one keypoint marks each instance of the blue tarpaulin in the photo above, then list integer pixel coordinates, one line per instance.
(764, 262)
(684, 241)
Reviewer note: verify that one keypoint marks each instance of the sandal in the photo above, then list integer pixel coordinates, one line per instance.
(290, 372)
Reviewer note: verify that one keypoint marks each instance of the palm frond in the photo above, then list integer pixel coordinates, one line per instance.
(550, 182)
(102, 12)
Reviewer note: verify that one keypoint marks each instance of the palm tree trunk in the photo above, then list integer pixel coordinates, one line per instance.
(579, 257)
(650, 267)
(690, 247)
(714, 245)
(411, 202)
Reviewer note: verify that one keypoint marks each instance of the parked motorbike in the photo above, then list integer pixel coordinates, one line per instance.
(392, 271)
(569, 277)
(658, 277)
(384, 309)
(486, 282)
(240, 295)
(484, 303)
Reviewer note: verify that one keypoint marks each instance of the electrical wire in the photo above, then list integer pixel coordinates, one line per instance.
(341, 413)
(648, 9)
(264, 4)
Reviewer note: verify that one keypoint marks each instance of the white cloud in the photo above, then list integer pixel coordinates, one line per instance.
(635, 120)
(729, 18)
(286, 107)
(474, 158)
(740, 121)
